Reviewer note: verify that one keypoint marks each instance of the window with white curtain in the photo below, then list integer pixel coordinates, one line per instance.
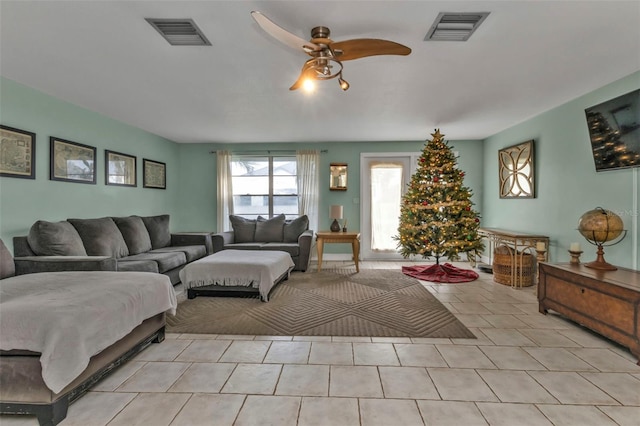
(264, 185)
(386, 196)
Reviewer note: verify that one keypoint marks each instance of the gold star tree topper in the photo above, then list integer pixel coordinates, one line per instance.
(437, 135)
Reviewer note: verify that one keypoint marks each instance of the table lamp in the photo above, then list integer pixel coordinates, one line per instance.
(335, 213)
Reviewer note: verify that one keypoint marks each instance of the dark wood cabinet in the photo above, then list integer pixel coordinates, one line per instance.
(607, 302)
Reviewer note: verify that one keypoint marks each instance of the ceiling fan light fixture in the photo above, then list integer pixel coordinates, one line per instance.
(344, 84)
(309, 85)
(326, 55)
(325, 67)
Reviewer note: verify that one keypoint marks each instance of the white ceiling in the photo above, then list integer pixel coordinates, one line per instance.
(527, 57)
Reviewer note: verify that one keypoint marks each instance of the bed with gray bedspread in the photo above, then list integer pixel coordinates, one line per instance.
(60, 332)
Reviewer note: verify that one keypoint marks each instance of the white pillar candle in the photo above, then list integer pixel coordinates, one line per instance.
(540, 246)
(575, 247)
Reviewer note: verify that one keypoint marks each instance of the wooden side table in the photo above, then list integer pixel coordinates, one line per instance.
(338, 237)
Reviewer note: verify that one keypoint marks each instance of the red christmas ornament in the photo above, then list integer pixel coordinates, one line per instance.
(467, 208)
(461, 174)
(477, 220)
(424, 203)
(436, 179)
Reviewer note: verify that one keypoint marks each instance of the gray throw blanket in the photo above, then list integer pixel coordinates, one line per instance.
(70, 316)
(259, 269)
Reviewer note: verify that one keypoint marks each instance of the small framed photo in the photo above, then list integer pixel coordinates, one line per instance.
(154, 174)
(72, 161)
(119, 169)
(17, 153)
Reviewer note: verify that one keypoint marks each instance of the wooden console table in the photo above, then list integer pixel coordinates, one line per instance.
(607, 302)
(519, 243)
(338, 237)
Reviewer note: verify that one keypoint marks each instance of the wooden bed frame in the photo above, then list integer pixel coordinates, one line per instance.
(22, 390)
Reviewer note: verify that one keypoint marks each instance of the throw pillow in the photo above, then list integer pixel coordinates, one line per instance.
(101, 237)
(294, 228)
(7, 267)
(55, 239)
(158, 227)
(270, 230)
(243, 229)
(135, 234)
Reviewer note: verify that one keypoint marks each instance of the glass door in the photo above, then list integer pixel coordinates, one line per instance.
(384, 181)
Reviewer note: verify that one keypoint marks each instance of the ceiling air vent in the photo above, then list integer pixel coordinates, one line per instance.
(179, 32)
(452, 26)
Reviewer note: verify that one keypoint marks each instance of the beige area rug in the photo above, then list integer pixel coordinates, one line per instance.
(340, 302)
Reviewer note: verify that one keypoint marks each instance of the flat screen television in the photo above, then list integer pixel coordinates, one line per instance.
(614, 129)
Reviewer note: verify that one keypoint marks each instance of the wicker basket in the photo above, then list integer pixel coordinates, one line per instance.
(524, 271)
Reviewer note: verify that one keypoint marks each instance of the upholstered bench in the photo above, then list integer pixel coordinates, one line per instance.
(236, 271)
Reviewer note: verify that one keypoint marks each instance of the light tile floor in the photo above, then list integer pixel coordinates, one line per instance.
(524, 368)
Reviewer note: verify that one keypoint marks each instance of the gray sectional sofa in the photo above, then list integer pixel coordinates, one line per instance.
(291, 236)
(133, 244)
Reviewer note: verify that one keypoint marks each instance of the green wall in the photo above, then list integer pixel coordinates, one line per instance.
(567, 184)
(566, 181)
(190, 197)
(23, 201)
(198, 173)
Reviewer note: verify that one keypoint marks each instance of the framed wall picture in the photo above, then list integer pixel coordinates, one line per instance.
(119, 169)
(17, 153)
(154, 174)
(516, 172)
(72, 161)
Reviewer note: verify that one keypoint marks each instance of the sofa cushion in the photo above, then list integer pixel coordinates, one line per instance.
(7, 267)
(292, 248)
(101, 237)
(135, 234)
(158, 227)
(165, 261)
(137, 266)
(55, 239)
(191, 252)
(294, 228)
(243, 246)
(270, 230)
(243, 229)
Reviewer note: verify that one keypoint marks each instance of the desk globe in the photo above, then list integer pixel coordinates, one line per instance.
(600, 226)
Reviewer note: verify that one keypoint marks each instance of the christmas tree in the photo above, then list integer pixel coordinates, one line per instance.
(609, 151)
(436, 215)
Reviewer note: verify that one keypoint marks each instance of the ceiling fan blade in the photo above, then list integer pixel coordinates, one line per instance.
(283, 35)
(363, 47)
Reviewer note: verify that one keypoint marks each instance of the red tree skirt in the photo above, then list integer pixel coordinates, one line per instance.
(444, 273)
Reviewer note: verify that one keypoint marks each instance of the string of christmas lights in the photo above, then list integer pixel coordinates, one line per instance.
(437, 218)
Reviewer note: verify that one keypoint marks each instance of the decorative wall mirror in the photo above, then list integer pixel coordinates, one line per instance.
(516, 171)
(338, 176)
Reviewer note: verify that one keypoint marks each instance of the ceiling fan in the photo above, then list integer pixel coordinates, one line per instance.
(327, 55)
